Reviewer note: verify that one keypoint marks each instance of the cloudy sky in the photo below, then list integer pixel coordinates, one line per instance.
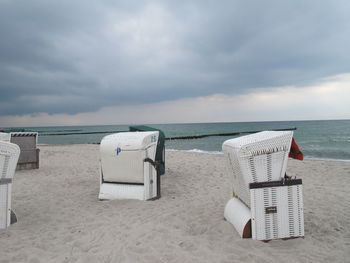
(121, 62)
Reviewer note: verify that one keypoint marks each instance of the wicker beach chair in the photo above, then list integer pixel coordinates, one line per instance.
(9, 154)
(257, 164)
(128, 166)
(27, 142)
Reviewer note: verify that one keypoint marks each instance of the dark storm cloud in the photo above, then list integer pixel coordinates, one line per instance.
(78, 56)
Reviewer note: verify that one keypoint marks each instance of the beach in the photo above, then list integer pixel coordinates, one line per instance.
(60, 218)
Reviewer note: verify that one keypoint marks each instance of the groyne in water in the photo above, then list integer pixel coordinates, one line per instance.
(188, 137)
(221, 134)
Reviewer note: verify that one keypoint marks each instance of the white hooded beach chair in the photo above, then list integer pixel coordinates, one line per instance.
(128, 168)
(274, 207)
(9, 154)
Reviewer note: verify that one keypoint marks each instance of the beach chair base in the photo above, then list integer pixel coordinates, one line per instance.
(277, 210)
(111, 191)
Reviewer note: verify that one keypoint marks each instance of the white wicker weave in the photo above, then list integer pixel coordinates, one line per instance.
(257, 157)
(9, 154)
(286, 217)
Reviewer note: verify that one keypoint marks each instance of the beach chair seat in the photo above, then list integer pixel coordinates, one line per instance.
(128, 167)
(257, 164)
(9, 154)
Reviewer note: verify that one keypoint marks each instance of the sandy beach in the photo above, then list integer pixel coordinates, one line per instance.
(60, 218)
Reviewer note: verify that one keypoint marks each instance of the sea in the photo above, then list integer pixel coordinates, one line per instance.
(317, 139)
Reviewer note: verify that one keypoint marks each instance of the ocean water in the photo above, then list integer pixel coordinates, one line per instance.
(328, 139)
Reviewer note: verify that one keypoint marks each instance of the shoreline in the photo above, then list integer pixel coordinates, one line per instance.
(218, 153)
(206, 152)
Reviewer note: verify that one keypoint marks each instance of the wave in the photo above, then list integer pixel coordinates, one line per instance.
(195, 151)
(219, 152)
(326, 159)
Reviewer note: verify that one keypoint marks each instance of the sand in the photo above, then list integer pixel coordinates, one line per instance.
(60, 218)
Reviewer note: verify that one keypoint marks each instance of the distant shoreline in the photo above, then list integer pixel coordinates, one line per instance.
(200, 152)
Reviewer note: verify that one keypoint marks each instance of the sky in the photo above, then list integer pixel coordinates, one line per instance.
(125, 62)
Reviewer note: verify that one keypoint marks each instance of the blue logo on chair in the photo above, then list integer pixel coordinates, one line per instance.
(153, 138)
(118, 150)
